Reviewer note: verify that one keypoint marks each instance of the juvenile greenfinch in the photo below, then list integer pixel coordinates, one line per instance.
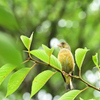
(67, 61)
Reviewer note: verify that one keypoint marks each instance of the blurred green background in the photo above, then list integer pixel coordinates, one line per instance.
(52, 21)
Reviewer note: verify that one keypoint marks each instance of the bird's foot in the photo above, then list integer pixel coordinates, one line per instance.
(64, 73)
(69, 74)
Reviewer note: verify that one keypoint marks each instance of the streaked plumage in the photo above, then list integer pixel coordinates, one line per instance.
(67, 61)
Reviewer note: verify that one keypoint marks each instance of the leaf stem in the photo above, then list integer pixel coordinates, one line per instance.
(84, 89)
(80, 73)
(32, 66)
(29, 53)
(25, 61)
(81, 91)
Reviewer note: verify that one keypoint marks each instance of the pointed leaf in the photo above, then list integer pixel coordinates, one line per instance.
(5, 14)
(41, 55)
(95, 60)
(16, 79)
(31, 37)
(70, 95)
(44, 57)
(8, 50)
(27, 41)
(55, 62)
(5, 70)
(48, 50)
(81, 98)
(40, 80)
(52, 49)
(80, 55)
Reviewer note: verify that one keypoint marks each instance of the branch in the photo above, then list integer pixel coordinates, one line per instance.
(77, 77)
(89, 85)
(44, 64)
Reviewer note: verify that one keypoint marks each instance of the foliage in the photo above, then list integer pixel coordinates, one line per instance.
(39, 81)
(5, 70)
(79, 56)
(44, 57)
(12, 24)
(70, 95)
(95, 60)
(52, 21)
(8, 51)
(16, 79)
(27, 41)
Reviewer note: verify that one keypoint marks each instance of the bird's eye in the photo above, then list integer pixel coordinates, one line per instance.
(62, 43)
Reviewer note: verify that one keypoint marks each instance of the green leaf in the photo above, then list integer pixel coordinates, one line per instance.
(40, 80)
(55, 62)
(7, 19)
(27, 41)
(44, 57)
(52, 49)
(31, 37)
(48, 50)
(16, 79)
(95, 60)
(8, 50)
(81, 98)
(41, 55)
(5, 70)
(79, 56)
(70, 95)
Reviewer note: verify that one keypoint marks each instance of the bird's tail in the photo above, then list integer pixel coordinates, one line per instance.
(68, 81)
(69, 86)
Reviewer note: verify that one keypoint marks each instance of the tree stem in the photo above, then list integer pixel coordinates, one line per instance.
(45, 64)
(77, 77)
(89, 85)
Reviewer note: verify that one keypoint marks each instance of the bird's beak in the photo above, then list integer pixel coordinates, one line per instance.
(59, 45)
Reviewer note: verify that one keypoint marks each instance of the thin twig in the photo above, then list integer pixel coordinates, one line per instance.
(89, 85)
(77, 77)
(25, 61)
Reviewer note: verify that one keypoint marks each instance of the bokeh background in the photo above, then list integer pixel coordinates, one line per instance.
(52, 21)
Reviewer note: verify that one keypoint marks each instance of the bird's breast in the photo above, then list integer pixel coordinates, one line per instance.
(66, 59)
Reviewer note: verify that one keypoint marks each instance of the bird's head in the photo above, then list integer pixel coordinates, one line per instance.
(64, 45)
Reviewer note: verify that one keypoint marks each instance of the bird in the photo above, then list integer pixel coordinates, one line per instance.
(67, 61)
